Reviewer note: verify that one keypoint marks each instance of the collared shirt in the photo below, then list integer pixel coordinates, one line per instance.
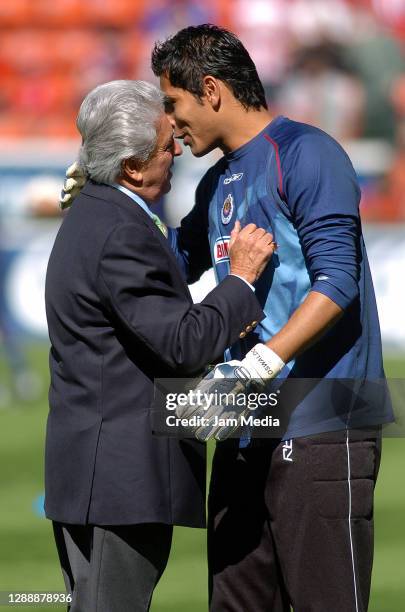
(135, 197)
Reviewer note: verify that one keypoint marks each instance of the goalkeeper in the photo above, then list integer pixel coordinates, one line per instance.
(290, 521)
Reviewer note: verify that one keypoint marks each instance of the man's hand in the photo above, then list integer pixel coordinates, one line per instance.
(232, 378)
(250, 249)
(75, 179)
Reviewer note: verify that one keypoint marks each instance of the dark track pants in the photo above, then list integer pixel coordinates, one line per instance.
(112, 569)
(291, 524)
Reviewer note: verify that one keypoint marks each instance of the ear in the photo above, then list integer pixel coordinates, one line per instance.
(131, 170)
(212, 91)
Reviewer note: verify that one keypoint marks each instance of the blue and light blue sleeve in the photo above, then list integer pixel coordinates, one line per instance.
(323, 197)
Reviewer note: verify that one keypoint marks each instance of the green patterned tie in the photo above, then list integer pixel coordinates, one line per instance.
(159, 223)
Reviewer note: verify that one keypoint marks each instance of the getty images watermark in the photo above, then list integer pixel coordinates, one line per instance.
(229, 402)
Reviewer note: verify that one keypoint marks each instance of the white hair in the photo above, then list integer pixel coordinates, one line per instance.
(117, 121)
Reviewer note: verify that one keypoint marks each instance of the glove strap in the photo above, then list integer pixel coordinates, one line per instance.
(262, 362)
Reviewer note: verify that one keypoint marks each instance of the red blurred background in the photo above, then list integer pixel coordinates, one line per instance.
(337, 64)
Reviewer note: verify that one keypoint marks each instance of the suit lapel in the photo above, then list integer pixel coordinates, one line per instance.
(110, 194)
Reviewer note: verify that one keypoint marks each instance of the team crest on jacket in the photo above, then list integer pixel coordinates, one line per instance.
(227, 209)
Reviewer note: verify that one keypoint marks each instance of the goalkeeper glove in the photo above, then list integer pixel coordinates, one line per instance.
(75, 179)
(260, 365)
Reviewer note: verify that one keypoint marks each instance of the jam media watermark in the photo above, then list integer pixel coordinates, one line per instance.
(223, 421)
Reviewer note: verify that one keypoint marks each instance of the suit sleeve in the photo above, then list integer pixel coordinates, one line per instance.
(136, 284)
(323, 197)
(190, 242)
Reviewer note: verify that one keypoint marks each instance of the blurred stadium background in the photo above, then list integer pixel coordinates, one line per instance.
(338, 64)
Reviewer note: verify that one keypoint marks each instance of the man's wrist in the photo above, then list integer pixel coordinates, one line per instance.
(263, 362)
(246, 275)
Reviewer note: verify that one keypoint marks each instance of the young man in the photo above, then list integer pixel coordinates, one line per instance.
(290, 522)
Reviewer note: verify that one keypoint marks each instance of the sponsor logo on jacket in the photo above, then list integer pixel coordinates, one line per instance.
(234, 177)
(221, 249)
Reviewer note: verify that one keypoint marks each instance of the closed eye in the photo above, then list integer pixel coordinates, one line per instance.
(169, 105)
(170, 145)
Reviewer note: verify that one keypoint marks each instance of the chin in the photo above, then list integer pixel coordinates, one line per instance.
(202, 150)
(199, 153)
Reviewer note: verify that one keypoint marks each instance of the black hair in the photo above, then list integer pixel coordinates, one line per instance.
(197, 51)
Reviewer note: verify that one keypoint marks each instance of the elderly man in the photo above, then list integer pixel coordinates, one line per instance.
(120, 314)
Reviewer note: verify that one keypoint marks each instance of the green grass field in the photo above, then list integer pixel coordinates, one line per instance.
(28, 560)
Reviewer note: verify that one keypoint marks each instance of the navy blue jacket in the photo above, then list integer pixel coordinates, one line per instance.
(120, 314)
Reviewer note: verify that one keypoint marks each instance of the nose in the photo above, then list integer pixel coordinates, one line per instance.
(177, 149)
(176, 129)
(170, 117)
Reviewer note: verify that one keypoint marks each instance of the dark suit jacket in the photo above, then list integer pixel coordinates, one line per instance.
(119, 314)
